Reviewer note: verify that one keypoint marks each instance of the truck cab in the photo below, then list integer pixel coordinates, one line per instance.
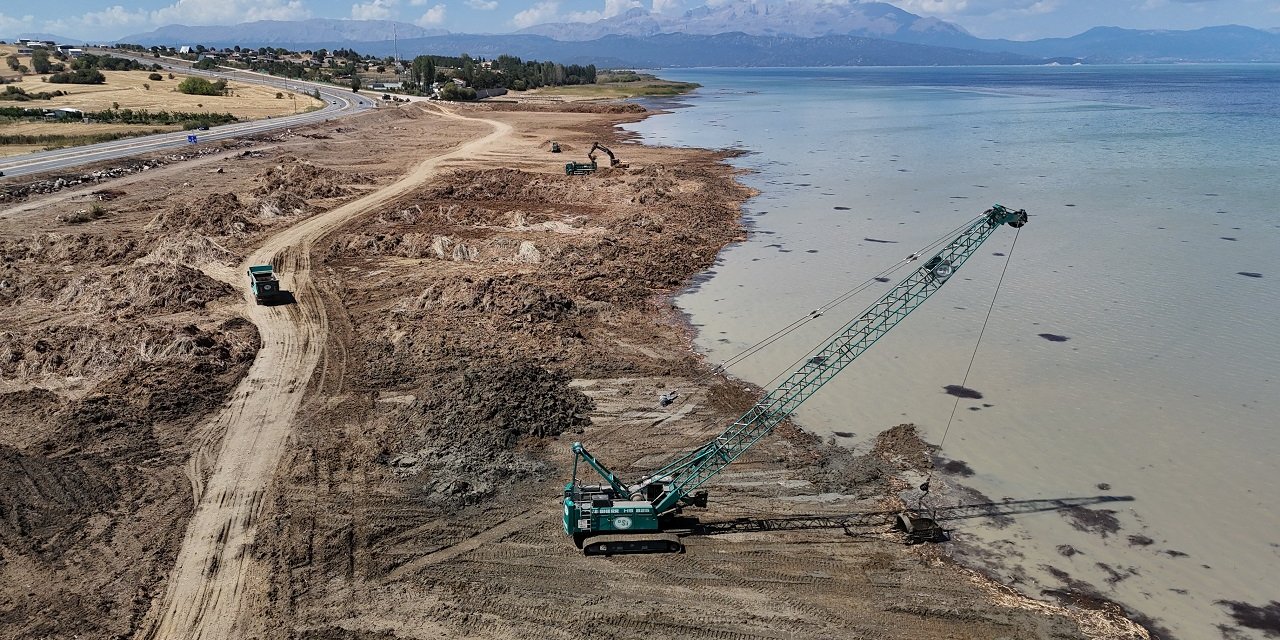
(263, 283)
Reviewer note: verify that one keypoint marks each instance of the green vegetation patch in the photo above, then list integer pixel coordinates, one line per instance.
(201, 87)
(51, 142)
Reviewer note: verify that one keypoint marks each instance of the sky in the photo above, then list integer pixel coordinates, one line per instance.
(96, 20)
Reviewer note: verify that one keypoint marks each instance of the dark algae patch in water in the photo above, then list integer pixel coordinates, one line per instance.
(953, 467)
(1053, 337)
(1140, 541)
(1265, 618)
(962, 392)
(881, 241)
(882, 279)
(1250, 274)
(1100, 521)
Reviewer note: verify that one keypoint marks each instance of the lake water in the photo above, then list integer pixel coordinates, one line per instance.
(1151, 266)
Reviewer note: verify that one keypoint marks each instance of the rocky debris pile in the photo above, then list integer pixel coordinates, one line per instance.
(460, 442)
(218, 214)
(21, 191)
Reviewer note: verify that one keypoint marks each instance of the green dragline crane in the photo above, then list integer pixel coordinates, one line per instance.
(616, 517)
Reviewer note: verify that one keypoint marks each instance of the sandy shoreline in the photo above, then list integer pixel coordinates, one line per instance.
(472, 326)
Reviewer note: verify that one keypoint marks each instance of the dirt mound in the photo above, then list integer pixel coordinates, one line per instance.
(499, 295)
(299, 179)
(510, 184)
(68, 249)
(838, 469)
(406, 245)
(459, 441)
(218, 214)
(146, 287)
(194, 250)
(96, 351)
(903, 447)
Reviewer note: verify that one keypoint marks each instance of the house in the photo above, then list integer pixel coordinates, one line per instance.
(63, 113)
(386, 86)
(24, 51)
(75, 53)
(185, 49)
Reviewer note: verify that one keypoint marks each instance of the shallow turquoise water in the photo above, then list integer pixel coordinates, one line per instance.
(1154, 193)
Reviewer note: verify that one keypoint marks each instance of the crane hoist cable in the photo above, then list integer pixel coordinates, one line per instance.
(924, 487)
(668, 398)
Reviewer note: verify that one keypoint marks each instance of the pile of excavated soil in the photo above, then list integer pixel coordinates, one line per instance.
(303, 179)
(78, 467)
(68, 249)
(218, 214)
(139, 289)
(459, 441)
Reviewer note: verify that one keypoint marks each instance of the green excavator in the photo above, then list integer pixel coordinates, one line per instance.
(614, 516)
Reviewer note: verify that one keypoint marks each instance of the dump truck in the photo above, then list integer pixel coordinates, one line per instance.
(579, 168)
(263, 283)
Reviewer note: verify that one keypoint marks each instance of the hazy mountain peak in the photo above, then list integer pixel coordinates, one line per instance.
(804, 18)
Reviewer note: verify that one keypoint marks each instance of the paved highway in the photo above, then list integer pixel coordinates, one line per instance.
(338, 103)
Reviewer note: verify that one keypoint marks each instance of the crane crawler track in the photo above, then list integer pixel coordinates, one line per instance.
(617, 544)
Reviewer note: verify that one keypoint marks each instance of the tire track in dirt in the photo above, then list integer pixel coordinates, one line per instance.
(205, 590)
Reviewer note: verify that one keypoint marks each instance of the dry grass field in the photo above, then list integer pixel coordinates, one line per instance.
(129, 89)
(133, 90)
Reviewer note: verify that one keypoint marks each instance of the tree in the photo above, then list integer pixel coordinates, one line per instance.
(201, 87)
(40, 61)
(206, 64)
(79, 76)
(12, 60)
(355, 82)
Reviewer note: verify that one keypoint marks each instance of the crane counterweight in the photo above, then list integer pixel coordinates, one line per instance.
(633, 516)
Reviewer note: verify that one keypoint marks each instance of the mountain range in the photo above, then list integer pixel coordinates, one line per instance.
(745, 33)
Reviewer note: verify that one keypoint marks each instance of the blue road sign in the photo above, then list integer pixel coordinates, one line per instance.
(191, 139)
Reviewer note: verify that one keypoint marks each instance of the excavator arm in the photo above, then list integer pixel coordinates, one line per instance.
(613, 161)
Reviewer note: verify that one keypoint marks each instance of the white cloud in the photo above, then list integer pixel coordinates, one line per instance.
(667, 6)
(116, 21)
(11, 25)
(373, 10)
(611, 9)
(539, 13)
(228, 11)
(977, 7)
(433, 17)
(483, 5)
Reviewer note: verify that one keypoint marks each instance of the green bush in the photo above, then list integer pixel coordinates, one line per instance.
(78, 76)
(155, 76)
(202, 87)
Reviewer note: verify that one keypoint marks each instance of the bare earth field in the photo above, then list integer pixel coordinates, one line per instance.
(383, 456)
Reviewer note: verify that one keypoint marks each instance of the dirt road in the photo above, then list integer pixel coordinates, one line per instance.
(204, 596)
